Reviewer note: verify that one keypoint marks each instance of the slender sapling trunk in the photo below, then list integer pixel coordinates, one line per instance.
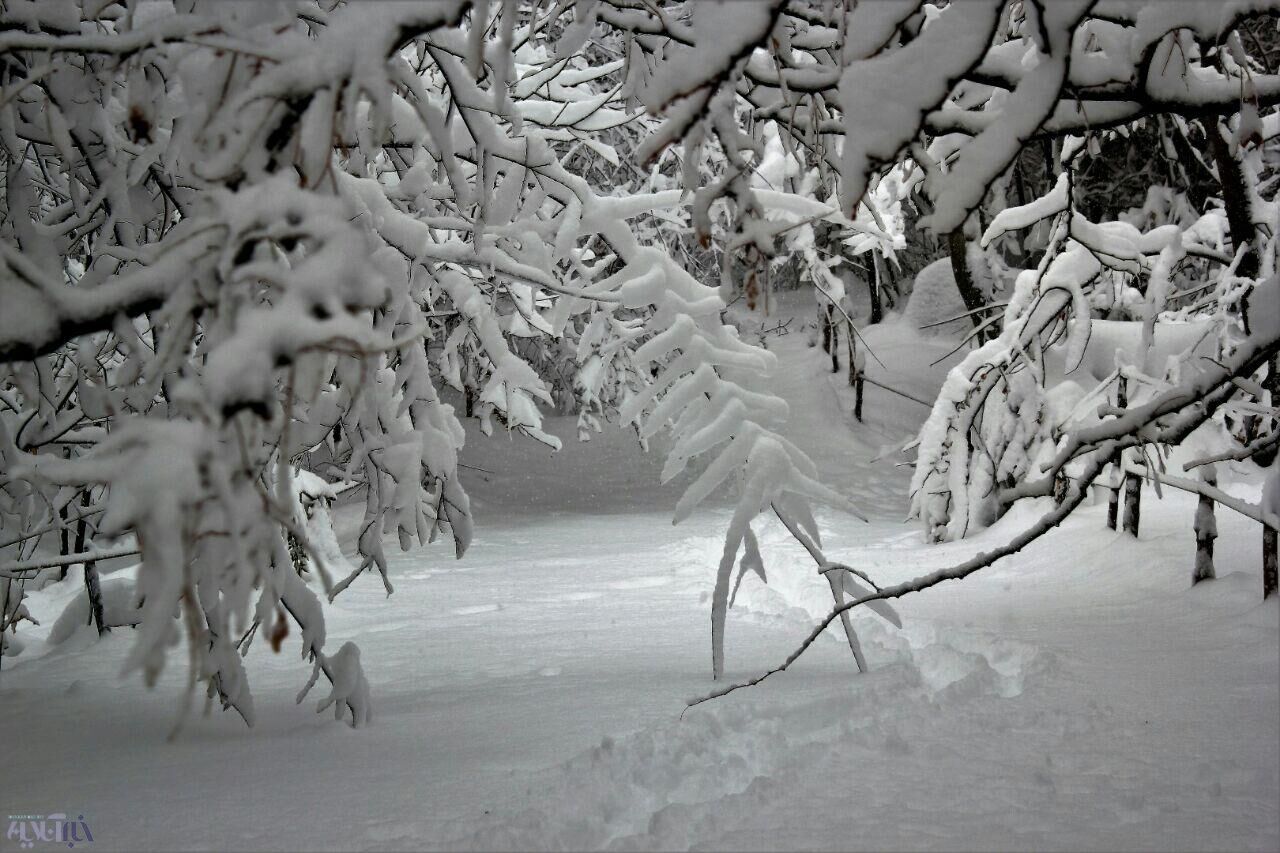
(1117, 468)
(91, 586)
(1206, 526)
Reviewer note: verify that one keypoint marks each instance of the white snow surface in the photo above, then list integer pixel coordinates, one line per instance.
(934, 299)
(1079, 695)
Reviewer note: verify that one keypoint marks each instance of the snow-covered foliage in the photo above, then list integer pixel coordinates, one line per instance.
(256, 254)
(1011, 405)
(246, 247)
(1179, 276)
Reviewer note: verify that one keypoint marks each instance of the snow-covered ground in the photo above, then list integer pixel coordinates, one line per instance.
(530, 695)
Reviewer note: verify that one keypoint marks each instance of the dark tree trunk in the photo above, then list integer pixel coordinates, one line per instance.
(64, 535)
(1235, 195)
(94, 591)
(874, 287)
(965, 283)
(831, 336)
(1113, 504)
(91, 585)
(855, 377)
(1270, 563)
(851, 356)
(64, 544)
(889, 285)
(1132, 482)
(1206, 527)
(1117, 464)
(1132, 503)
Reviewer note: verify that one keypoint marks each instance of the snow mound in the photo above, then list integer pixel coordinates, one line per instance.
(934, 297)
(118, 608)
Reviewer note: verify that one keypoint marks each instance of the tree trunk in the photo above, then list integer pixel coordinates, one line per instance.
(1206, 527)
(1271, 384)
(832, 339)
(1117, 459)
(1132, 503)
(1269, 562)
(64, 535)
(94, 591)
(1113, 504)
(889, 286)
(874, 287)
(1238, 201)
(1236, 198)
(851, 356)
(973, 299)
(855, 377)
(64, 543)
(91, 585)
(64, 538)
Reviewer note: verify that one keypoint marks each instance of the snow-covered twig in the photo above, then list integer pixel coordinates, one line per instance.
(18, 568)
(1198, 487)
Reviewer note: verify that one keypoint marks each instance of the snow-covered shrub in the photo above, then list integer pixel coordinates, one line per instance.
(119, 609)
(246, 245)
(993, 424)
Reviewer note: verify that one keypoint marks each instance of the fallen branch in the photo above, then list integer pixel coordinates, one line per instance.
(963, 570)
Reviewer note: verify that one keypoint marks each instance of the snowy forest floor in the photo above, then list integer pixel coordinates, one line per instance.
(1076, 696)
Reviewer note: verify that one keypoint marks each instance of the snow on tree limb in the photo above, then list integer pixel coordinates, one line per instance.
(247, 244)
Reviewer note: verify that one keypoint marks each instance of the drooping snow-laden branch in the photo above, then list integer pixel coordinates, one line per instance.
(1197, 487)
(986, 78)
(19, 570)
(242, 248)
(192, 295)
